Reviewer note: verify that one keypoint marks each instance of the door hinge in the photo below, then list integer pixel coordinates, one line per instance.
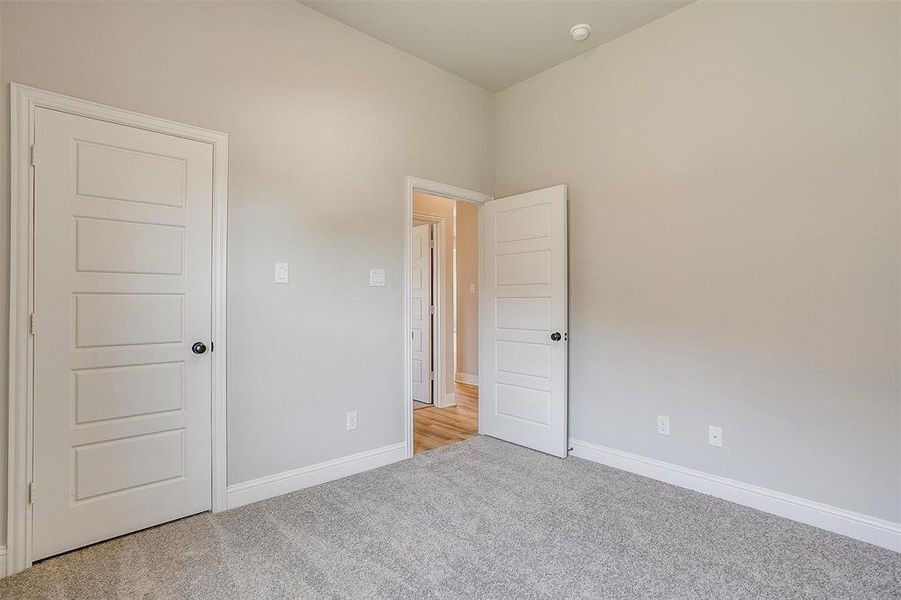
(31, 492)
(31, 324)
(432, 309)
(432, 376)
(34, 155)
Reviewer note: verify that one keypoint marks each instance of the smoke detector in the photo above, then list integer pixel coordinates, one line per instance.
(580, 32)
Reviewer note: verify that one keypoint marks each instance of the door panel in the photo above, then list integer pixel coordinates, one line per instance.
(122, 288)
(421, 277)
(522, 373)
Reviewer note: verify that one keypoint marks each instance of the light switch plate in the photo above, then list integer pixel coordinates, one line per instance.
(377, 277)
(281, 272)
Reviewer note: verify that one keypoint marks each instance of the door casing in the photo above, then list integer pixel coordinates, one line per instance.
(23, 102)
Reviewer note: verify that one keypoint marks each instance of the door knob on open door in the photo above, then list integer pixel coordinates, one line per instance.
(198, 348)
(556, 336)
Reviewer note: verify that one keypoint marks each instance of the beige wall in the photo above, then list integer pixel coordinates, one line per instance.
(435, 206)
(733, 173)
(467, 242)
(324, 125)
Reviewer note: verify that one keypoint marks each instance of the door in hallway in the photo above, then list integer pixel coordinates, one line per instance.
(421, 313)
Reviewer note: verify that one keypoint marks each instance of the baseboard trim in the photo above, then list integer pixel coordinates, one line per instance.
(2, 562)
(270, 486)
(879, 532)
(467, 378)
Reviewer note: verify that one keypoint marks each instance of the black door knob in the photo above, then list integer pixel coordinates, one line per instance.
(556, 336)
(198, 348)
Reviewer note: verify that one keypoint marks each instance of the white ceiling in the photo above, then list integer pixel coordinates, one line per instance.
(493, 43)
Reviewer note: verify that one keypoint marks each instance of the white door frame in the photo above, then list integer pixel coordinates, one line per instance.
(23, 102)
(438, 274)
(451, 192)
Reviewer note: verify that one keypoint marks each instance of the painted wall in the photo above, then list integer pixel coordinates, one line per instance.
(435, 206)
(467, 244)
(733, 173)
(324, 125)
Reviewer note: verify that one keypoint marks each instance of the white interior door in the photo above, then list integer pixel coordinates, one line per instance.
(420, 313)
(122, 289)
(523, 315)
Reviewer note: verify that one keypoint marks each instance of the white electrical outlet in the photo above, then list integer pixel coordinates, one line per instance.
(663, 424)
(715, 436)
(352, 420)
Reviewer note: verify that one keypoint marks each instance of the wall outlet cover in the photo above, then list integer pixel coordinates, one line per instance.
(715, 436)
(663, 424)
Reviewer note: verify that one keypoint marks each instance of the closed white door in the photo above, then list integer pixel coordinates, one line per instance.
(122, 292)
(523, 310)
(420, 313)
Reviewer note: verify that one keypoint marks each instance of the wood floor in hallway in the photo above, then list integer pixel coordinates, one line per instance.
(435, 427)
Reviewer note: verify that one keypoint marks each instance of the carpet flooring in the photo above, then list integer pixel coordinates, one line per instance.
(490, 520)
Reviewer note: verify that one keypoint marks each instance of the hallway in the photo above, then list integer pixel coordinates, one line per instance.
(435, 427)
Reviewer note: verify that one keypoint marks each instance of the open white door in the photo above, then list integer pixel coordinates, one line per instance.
(523, 316)
(420, 309)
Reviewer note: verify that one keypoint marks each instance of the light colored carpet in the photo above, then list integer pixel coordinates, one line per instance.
(489, 520)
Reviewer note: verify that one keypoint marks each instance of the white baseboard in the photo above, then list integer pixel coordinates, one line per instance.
(297, 479)
(2, 562)
(845, 522)
(467, 378)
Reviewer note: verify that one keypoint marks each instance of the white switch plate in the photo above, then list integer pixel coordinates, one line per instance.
(281, 272)
(715, 436)
(377, 277)
(352, 420)
(663, 424)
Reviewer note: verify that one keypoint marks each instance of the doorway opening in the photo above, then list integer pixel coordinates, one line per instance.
(442, 302)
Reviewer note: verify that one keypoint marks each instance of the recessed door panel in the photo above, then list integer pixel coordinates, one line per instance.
(528, 223)
(105, 468)
(523, 268)
(524, 358)
(130, 175)
(104, 246)
(530, 313)
(128, 319)
(132, 391)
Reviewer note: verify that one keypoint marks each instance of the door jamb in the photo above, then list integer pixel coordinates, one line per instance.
(23, 102)
(434, 188)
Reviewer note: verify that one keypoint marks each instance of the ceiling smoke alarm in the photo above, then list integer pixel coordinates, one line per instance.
(580, 32)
